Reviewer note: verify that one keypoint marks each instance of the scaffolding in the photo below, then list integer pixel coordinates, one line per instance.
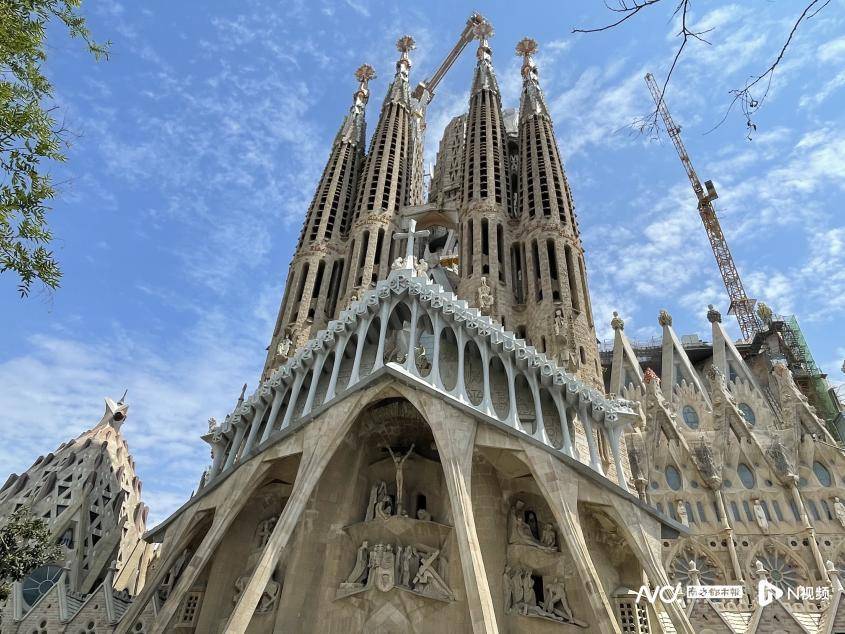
(807, 374)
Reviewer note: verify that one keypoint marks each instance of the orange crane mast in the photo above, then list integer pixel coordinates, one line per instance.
(741, 305)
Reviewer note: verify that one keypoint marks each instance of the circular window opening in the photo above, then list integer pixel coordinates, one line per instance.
(747, 413)
(39, 582)
(822, 474)
(690, 416)
(746, 475)
(673, 478)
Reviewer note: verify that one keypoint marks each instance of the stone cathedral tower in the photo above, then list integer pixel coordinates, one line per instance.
(431, 447)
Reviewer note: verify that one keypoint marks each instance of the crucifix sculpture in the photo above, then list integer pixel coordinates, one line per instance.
(411, 233)
(399, 461)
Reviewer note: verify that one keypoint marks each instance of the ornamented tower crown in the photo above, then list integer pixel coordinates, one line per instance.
(314, 279)
(384, 183)
(549, 255)
(486, 192)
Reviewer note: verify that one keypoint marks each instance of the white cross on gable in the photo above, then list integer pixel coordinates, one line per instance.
(411, 233)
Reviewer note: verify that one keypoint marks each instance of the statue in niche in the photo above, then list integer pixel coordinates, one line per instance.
(760, 516)
(378, 494)
(358, 577)
(839, 509)
(529, 597)
(520, 531)
(531, 520)
(383, 566)
(682, 512)
(283, 349)
(397, 345)
(268, 597)
(560, 325)
(399, 462)
(421, 358)
(408, 558)
(425, 516)
(384, 508)
(484, 297)
(427, 581)
(555, 602)
(421, 268)
(549, 536)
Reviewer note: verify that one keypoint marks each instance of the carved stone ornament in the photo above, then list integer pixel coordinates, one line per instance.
(521, 532)
(664, 318)
(617, 323)
(484, 296)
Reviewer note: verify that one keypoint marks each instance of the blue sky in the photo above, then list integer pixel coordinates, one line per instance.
(198, 145)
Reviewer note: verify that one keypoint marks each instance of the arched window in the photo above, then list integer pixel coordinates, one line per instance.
(746, 476)
(822, 474)
(690, 416)
(673, 477)
(39, 582)
(747, 413)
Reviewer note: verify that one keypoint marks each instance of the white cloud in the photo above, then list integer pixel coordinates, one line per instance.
(832, 51)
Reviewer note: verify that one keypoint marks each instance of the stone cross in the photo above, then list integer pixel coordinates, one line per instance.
(411, 233)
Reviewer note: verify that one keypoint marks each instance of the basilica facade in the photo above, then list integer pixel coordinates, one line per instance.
(437, 443)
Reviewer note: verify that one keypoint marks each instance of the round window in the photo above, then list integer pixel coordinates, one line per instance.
(746, 475)
(39, 582)
(673, 477)
(690, 416)
(822, 474)
(747, 413)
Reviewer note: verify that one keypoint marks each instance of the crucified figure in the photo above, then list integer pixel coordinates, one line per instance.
(399, 461)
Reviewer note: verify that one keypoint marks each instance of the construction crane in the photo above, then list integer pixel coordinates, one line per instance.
(741, 306)
(476, 25)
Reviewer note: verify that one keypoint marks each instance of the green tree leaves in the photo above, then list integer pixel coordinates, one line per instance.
(30, 137)
(25, 545)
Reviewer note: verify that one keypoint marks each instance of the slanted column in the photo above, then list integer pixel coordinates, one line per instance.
(437, 327)
(338, 359)
(587, 422)
(359, 350)
(729, 532)
(236, 443)
(454, 434)
(410, 357)
(253, 428)
(560, 489)
(316, 371)
(539, 423)
(460, 385)
(274, 411)
(513, 417)
(384, 315)
(294, 395)
(486, 403)
(613, 436)
(564, 423)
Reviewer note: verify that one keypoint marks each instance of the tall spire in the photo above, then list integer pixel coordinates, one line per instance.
(385, 180)
(313, 284)
(553, 255)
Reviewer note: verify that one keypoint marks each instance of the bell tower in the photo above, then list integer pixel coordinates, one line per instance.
(483, 215)
(548, 258)
(385, 183)
(314, 279)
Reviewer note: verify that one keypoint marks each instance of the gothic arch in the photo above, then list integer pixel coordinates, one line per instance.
(784, 568)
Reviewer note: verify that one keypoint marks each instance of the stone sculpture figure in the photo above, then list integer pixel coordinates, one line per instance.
(839, 509)
(421, 268)
(484, 296)
(268, 597)
(399, 462)
(549, 537)
(359, 572)
(283, 349)
(384, 507)
(555, 603)
(427, 581)
(529, 597)
(407, 556)
(398, 263)
(682, 512)
(760, 516)
(378, 492)
(507, 588)
(519, 531)
(423, 515)
(516, 585)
